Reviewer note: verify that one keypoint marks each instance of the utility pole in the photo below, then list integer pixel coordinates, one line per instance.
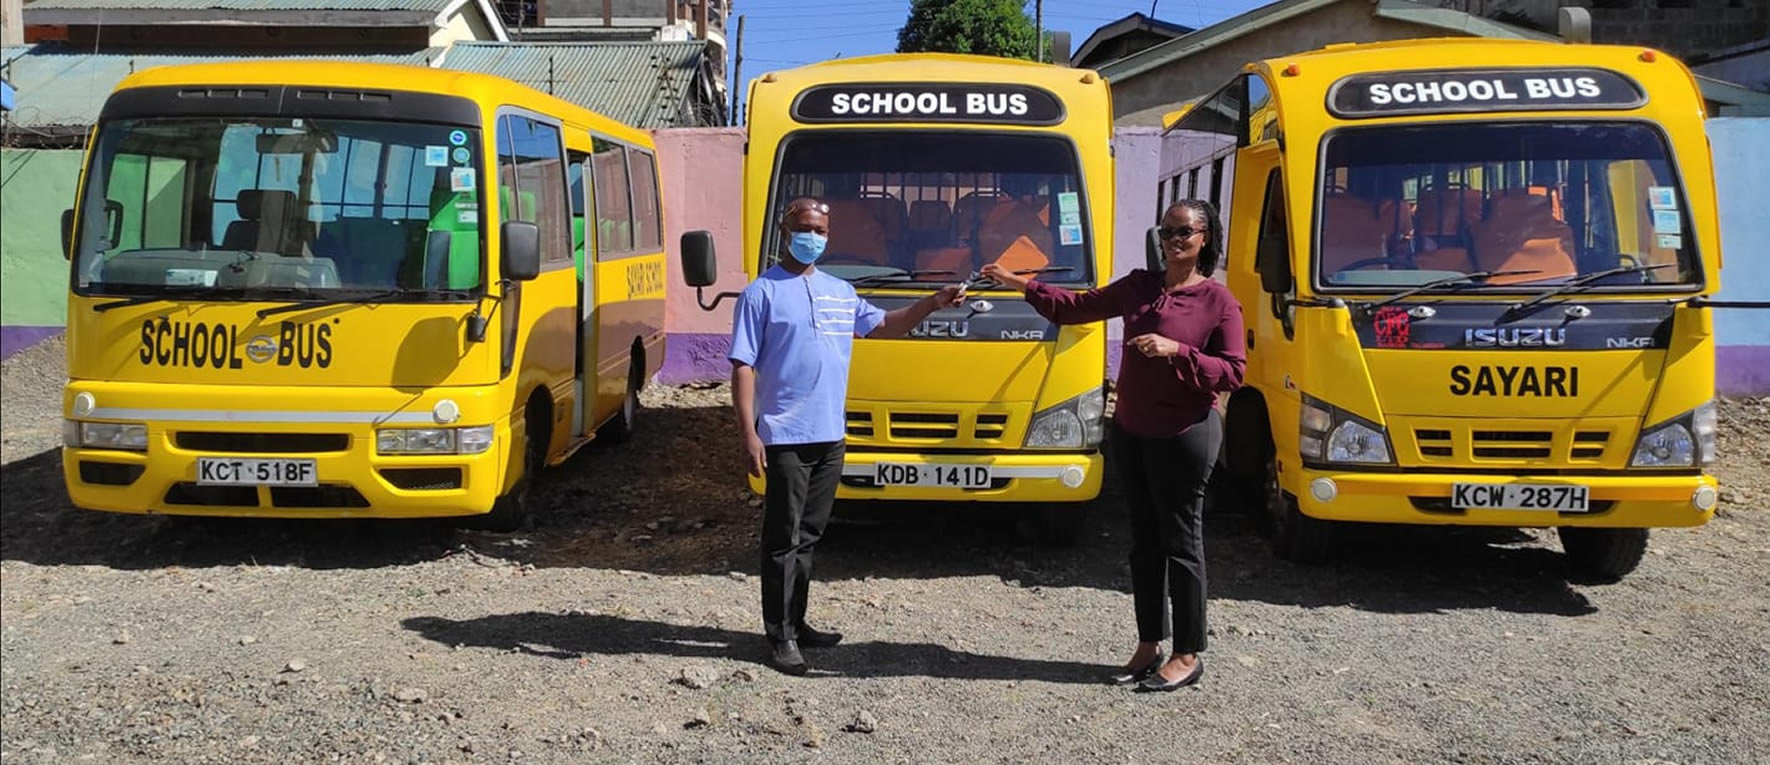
(12, 22)
(1039, 27)
(736, 83)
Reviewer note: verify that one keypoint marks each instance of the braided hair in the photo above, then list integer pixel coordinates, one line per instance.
(1211, 253)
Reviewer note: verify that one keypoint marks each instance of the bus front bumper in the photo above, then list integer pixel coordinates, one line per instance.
(1638, 500)
(1012, 477)
(332, 436)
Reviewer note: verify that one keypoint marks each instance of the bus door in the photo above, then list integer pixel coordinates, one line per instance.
(584, 243)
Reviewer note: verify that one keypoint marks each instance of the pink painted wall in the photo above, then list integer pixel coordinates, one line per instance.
(702, 173)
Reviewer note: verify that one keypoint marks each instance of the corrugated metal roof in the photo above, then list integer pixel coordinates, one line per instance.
(641, 84)
(63, 87)
(434, 6)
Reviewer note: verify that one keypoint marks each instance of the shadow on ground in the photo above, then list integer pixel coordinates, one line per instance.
(572, 636)
(672, 502)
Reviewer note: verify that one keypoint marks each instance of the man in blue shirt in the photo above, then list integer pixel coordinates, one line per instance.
(791, 340)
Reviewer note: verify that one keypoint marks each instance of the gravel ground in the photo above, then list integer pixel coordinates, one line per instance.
(624, 627)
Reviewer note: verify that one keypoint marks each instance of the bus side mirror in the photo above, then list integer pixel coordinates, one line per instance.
(1152, 250)
(1274, 263)
(67, 234)
(521, 247)
(699, 265)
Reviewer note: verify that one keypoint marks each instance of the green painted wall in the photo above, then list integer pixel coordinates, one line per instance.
(35, 186)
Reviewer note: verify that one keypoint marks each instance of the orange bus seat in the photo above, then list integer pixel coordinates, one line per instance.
(1350, 232)
(856, 233)
(1521, 233)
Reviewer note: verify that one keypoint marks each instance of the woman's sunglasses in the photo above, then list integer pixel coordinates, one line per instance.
(1170, 232)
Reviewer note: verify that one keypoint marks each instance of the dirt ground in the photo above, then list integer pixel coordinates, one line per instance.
(623, 627)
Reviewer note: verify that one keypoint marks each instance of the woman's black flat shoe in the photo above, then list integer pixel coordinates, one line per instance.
(1138, 675)
(1155, 684)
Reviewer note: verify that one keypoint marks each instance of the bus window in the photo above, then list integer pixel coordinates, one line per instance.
(356, 200)
(642, 174)
(574, 178)
(900, 202)
(614, 203)
(1406, 205)
(529, 163)
(150, 189)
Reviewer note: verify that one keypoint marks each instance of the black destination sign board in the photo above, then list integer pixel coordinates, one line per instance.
(1383, 94)
(928, 102)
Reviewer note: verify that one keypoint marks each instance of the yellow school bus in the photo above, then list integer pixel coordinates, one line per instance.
(295, 294)
(1475, 276)
(934, 165)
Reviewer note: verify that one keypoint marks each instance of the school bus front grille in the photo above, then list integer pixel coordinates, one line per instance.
(261, 443)
(919, 425)
(915, 426)
(1485, 443)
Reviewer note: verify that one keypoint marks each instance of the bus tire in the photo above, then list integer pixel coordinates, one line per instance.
(1058, 524)
(1295, 537)
(1247, 454)
(511, 510)
(1603, 555)
(620, 428)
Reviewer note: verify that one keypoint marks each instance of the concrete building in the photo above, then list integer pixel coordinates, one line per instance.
(1124, 37)
(587, 21)
(1156, 80)
(262, 25)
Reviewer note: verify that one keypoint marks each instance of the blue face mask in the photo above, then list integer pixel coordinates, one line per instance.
(806, 246)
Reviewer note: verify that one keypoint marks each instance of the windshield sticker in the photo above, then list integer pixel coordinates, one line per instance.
(463, 156)
(1069, 234)
(436, 156)
(1667, 222)
(1671, 241)
(1068, 209)
(468, 217)
(1662, 198)
(458, 137)
(190, 277)
(461, 179)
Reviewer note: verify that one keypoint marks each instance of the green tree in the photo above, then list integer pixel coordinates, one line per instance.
(981, 27)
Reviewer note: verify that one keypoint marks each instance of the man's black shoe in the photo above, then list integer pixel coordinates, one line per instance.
(786, 658)
(811, 638)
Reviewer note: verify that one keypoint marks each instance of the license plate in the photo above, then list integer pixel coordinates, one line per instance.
(926, 474)
(1560, 498)
(247, 471)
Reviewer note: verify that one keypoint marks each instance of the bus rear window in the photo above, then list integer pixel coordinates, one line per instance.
(941, 204)
(1402, 206)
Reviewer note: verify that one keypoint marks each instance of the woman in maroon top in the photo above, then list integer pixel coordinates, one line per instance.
(1185, 348)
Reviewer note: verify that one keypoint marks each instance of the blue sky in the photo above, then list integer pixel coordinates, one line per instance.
(780, 34)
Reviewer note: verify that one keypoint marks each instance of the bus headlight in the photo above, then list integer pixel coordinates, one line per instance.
(105, 435)
(1687, 440)
(1330, 434)
(474, 440)
(1079, 423)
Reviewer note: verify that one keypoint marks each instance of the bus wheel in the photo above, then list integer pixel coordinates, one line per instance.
(1295, 537)
(1605, 555)
(512, 509)
(621, 427)
(1059, 524)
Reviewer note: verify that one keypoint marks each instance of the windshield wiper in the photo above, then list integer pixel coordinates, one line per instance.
(1455, 282)
(899, 274)
(319, 302)
(1582, 281)
(126, 302)
(181, 292)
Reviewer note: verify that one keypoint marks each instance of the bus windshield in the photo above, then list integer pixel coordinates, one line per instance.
(1403, 206)
(933, 207)
(246, 208)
